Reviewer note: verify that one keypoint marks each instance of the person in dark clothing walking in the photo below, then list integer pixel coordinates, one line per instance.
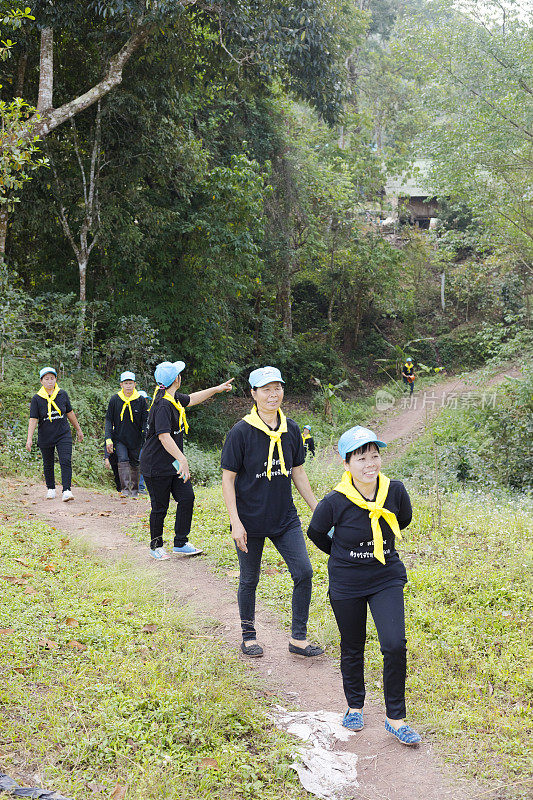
(262, 457)
(408, 374)
(163, 464)
(357, 524)
(309, 442)
(50, 412)
(125, 423)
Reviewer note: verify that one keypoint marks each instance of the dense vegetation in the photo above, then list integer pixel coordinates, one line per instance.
(222, 203)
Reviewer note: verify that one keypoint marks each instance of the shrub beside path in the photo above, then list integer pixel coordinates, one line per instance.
(385, 769)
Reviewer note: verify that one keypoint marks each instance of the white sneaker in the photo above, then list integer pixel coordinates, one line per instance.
(50, 494)
(67, 495)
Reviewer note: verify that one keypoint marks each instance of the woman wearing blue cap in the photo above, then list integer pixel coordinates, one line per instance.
(125, 423)
(163, 465)
(50, 411)
(262, 455)
(357, 524)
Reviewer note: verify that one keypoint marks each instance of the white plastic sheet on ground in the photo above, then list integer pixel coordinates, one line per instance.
(323, 769)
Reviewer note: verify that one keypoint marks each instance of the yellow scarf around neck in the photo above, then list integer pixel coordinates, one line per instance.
(305, 436)
(375, 509)
(127, 402)
(181, 411)
(255, 421)
(50, 400)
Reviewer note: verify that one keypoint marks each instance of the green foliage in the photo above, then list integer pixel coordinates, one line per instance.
(482, 438)
(474, 63)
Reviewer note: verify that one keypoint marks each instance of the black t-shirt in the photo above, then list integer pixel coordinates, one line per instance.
(50, 432)
(124, 430)
(353, 570)
(309, 445)
(265, 507)
(162, 418)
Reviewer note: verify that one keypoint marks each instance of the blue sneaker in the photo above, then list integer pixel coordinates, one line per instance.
(353, 720)
(159, 553)
(405, 734)
(187, 549)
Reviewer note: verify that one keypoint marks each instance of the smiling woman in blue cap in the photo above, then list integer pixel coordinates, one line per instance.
(262, 456)
(358, 524)
(163, 465)
(50, 412)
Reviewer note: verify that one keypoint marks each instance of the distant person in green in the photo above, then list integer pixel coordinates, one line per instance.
(125, 423)
(408, 374)
(50, 412)
(309, 442)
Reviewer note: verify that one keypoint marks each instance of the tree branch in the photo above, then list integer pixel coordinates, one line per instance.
(53, 117)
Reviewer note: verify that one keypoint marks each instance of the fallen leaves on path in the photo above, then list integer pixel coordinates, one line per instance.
(118, 793)
(208, 763)
(75, 645)
(47, 644)
(6, 631)
(150, 628)
(71, 622)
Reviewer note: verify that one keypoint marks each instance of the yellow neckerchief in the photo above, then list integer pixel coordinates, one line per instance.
(255, 421)
(181, 411)
(375, 509)
(177, 405)
(127, 402)
(50, 400)
(305, 436)
(406, 366)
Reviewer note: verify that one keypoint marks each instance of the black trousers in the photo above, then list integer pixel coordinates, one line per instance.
(64, 453)
(160, 488)
(411, 386)
(387, 609)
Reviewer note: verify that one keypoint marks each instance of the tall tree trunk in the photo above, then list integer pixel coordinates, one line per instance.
(82, 267)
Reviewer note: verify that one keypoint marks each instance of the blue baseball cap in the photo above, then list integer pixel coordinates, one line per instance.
(264, 375)
(143, 394)
(166, 373)
(356, 437)
(180, 366)
(46, 370)
(127, 376)
(409, 359)
(308, 427)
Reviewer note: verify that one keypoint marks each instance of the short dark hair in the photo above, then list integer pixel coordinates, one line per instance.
(360, 450)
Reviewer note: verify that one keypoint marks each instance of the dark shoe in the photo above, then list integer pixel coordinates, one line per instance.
(309, 651)
(253, 651)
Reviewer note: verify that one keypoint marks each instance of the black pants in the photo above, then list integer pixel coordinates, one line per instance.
(291, 547)
(411, 385)
(160, 488)
(387, 610)
(64, 453)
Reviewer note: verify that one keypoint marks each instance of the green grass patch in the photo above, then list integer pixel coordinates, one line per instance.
(92, 698)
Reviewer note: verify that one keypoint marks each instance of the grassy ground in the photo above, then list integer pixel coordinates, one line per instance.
(104, 685)
(468, 607)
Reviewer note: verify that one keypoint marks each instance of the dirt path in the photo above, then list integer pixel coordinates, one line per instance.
(386, 770)
(414, 413)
